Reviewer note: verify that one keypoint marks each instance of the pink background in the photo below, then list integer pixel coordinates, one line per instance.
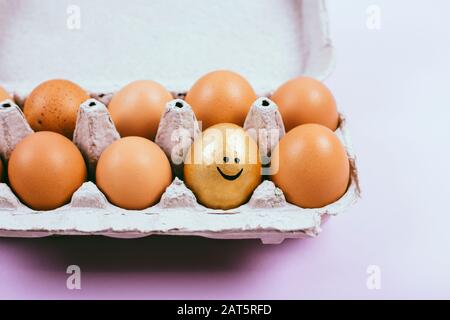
(393, 86)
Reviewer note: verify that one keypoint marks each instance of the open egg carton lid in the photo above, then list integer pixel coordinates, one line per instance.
(103, 45)
(265, 40)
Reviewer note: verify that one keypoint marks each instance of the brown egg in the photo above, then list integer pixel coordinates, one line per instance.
(221, 97)
(311, 166)
(137, 108)
(4, 95)
(133, 173)
(45, 169)
(222, 167)
(305, 100)
(53, 106)
(1, 170)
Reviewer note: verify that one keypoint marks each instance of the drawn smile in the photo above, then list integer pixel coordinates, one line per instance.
(230, 178)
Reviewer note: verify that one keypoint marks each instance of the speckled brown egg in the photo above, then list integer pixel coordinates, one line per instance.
(133, 173)
(305, 100)
(4, 95)
(137, 108)
(311, 166)
(221, 97)
(53, 106)
(45, 169)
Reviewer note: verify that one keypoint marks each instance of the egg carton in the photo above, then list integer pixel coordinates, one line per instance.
(266, 216)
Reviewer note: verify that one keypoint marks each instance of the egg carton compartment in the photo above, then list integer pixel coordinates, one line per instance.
(266, 216)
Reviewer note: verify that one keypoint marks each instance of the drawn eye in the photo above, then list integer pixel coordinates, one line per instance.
(226, 159)
(237, 160)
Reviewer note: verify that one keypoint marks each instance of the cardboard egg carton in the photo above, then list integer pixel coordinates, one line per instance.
(266, 216)
(299, 43)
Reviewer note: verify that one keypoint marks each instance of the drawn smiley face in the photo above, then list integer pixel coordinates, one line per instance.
(230, 177)
(222, 167)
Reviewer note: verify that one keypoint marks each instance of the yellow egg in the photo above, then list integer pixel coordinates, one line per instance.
(222, 167)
